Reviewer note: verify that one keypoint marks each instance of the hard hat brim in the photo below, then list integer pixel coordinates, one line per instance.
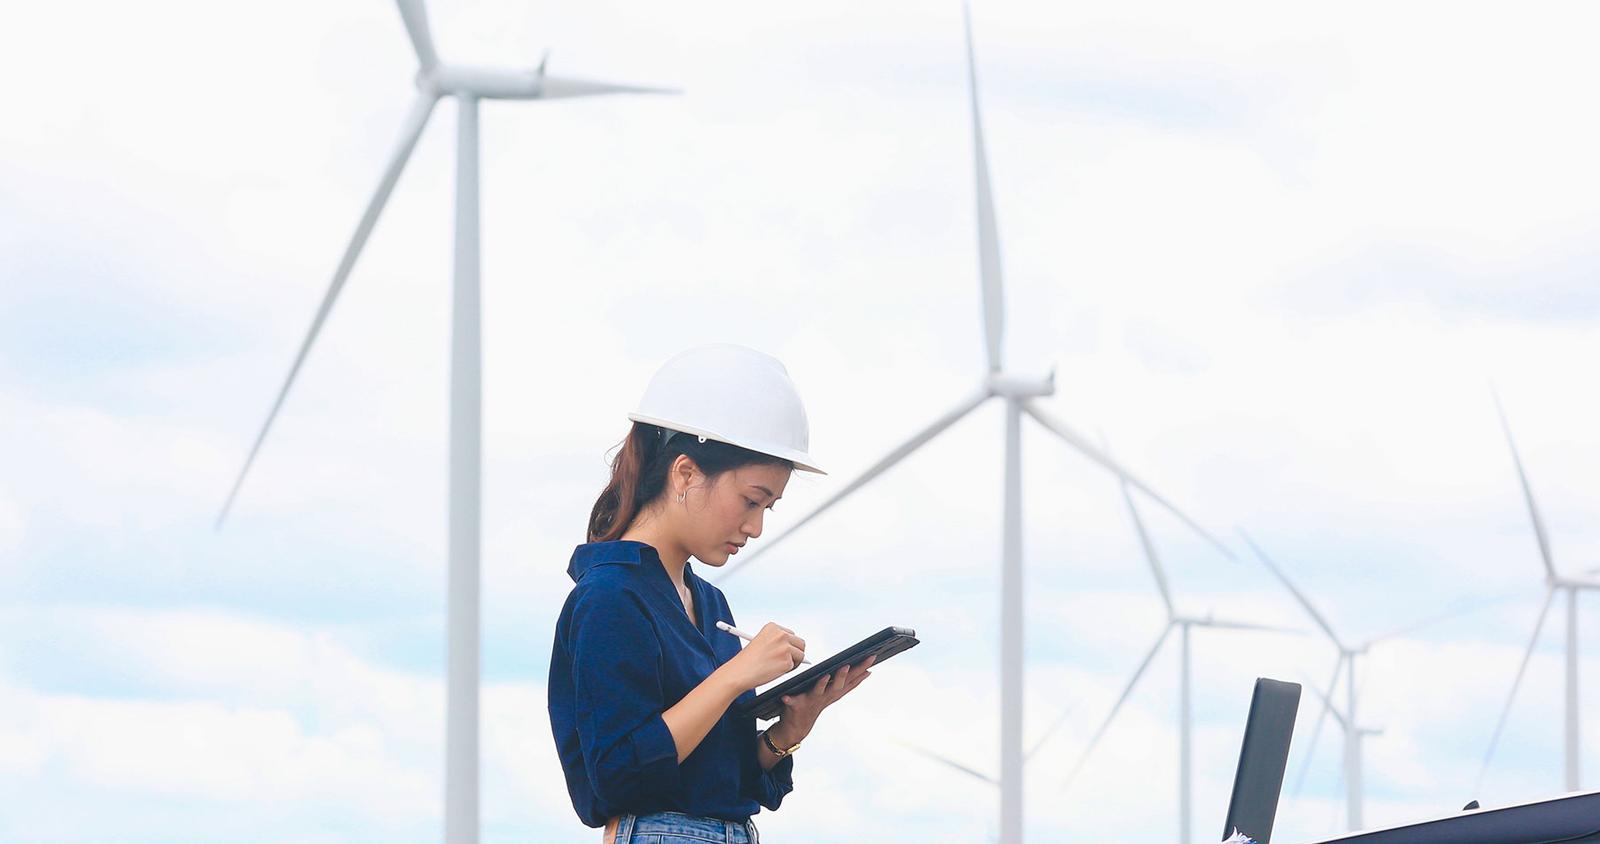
(800, 459)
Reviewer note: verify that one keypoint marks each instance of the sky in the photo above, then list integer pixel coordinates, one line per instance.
(1276, 257)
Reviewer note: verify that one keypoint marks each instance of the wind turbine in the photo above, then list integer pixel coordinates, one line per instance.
(1353, 732)
(1184, 624)
(434, 81)
(1018, 393)
(1554, 582)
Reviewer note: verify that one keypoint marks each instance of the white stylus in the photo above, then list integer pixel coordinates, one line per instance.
(749, 638)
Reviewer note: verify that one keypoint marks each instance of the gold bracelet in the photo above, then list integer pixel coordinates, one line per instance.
(767, 740)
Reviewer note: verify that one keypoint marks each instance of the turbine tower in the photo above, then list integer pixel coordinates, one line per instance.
(1019, 394)
(1554, 582)
(434, 81)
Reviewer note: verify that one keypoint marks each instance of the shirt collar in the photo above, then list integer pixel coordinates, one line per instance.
(619, 552)
(643, 556)
(627, 552)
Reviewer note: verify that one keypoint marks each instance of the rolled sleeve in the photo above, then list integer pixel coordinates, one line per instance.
(776, 783)
(628, 751)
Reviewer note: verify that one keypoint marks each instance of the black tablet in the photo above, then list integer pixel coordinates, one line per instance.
(885, 643)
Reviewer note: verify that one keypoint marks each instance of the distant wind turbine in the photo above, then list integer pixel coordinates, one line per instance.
(1018, 393)
(436, 80)
(1554, 582)
(1346, 664)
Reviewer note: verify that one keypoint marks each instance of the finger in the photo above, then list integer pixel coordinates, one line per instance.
(781, 627)
(842, 689)
(797, 642)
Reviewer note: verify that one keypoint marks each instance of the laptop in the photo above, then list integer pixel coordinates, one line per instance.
(1569, 817)
(1262, 759)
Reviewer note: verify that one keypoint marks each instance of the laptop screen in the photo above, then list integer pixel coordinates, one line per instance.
(1262, 759)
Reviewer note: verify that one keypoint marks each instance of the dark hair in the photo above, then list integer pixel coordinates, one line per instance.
(639, 473)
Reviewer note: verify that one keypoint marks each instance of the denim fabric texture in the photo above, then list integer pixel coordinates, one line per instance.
(625, 651)
(679, 828)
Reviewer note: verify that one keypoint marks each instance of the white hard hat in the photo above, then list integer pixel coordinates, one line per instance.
(731, 394)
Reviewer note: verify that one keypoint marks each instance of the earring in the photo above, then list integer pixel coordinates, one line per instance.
(681, 495)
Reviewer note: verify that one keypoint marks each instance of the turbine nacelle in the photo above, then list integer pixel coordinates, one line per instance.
(1562, 582)
(453, 80)
(1018, 386)
(438, 79)
(1210, 619)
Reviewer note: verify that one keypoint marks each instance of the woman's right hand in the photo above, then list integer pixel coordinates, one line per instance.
(774, 652)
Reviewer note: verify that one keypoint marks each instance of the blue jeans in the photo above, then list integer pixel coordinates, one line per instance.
(679, 828)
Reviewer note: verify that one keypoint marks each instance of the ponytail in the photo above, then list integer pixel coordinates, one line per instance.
(639, 474)
(619, 502)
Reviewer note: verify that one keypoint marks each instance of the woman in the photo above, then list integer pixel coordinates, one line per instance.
(642, 681)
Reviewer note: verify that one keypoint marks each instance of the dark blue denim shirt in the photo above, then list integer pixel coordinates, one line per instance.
(625, 652)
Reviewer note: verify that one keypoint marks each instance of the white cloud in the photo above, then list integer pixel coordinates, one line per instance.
(256, 716)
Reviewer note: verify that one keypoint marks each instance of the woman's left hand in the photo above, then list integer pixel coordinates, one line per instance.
(800, 711)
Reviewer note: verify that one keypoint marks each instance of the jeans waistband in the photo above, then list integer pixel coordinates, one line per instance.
(711, 830)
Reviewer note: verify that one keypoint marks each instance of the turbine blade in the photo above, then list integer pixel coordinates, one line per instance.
(899, 453)
(1149, 549)
(410, 131)
(1083, 446)
(1225, 624)
(1441, 618)
(994, 313)
(558, 87)
(1527, 492)
(1327, 705)
(415, 15)
(1049, 731)
(1549, 594)
(1121, 699)
(946, 761)
(1298, 595)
